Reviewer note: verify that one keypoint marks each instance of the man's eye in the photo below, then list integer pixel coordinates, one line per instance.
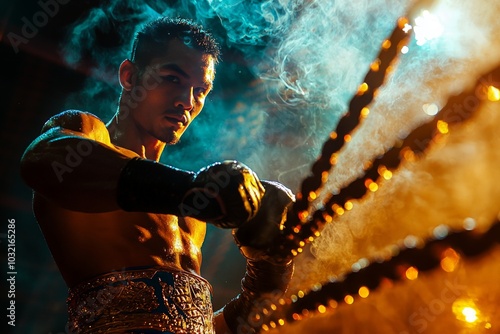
(171, 78)
(201, 91)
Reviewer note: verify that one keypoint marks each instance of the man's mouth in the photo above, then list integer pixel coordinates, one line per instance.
(177, 119)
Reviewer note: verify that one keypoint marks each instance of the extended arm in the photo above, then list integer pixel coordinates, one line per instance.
(74, 164)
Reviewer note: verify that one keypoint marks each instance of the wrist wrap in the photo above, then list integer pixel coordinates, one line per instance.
(149, 186)
(264, 283)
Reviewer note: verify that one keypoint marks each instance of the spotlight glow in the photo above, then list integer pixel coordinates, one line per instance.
(427, 27)
(470, 314)
(493, 93)
(430, 109)
(465, 310)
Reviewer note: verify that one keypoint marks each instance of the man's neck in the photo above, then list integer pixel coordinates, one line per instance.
(125, 133)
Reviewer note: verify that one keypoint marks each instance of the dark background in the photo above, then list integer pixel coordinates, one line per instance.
(35, 83)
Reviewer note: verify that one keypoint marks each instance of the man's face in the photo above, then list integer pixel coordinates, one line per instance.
(174, 88)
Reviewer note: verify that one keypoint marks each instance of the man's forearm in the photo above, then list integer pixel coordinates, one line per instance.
(77, 173)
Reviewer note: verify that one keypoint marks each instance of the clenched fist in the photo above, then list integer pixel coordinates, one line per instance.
(255, 237)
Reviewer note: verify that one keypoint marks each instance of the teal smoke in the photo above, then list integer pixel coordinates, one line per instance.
(289, 68)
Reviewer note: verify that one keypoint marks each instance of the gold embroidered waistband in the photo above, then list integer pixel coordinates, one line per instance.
(149, 298)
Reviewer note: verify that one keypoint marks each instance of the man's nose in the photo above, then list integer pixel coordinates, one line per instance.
(185, 99)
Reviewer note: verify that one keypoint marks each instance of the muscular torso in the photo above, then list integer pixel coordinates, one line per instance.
(88, 244)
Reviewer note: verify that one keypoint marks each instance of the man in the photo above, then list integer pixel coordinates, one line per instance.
(126, 231)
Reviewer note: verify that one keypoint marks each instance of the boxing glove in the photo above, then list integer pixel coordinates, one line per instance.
(256, 236)
(226, 194)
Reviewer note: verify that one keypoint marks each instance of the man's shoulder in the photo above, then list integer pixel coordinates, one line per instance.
(72, 119)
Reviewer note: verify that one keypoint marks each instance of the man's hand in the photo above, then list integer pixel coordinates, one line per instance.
(226, 194)
(267, 275)
(256, 236)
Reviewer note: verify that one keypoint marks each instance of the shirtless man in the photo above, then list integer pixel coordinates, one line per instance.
(125, 230)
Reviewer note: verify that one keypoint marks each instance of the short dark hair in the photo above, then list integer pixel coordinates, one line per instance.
(157, 33)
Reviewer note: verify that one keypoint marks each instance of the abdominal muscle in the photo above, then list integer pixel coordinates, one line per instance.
(85, 245)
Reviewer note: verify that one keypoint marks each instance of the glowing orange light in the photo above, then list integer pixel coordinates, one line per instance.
(349, 299)
(272, 324)
(324, 176)
(300, 294)
(339, 211)
(384, 172)
(465, 310)
(333, 159)
(281, 322)
(411, 273)
(402, 22)
(450, 260)
(296, 316)
(347, 138)
(333, 303)
(442, 127)
(321, 309)
(365, 112)
(265, 328)
(327, 217)
(375, 66)
(333, 134)
(302, 216)
(312, 195)
(373, 187)
(348, 205)
(408, 154)
(362, 88)
(363, 292)
(386, 44)
(493, 94)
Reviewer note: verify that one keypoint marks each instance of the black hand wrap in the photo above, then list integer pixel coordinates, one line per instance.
(267, 275)
(226, 194)
(264, 284)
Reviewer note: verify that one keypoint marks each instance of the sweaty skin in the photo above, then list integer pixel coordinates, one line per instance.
(75, 205)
